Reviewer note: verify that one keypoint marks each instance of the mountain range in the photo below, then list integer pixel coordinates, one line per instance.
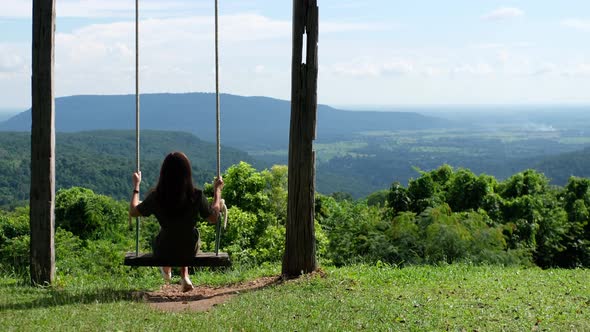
(358, 152)
(247, 123)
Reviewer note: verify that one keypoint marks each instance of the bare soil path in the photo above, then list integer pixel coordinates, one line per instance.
(201, 298)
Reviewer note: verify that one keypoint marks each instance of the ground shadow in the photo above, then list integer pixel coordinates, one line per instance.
(58, 297)
(199, 299)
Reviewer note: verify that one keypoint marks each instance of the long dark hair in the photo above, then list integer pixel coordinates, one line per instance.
(175, 187)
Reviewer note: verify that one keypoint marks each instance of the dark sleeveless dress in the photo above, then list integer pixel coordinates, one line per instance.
(178, 236)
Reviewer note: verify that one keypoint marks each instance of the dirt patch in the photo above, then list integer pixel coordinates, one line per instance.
(202, 298)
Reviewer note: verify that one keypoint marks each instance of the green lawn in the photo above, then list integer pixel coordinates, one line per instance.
(455, 297)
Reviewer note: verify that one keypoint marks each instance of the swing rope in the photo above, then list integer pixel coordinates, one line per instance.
(218, 122)
(217, 106)
(137, 168)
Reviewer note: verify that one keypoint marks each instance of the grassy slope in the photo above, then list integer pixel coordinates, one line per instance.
(453, 297)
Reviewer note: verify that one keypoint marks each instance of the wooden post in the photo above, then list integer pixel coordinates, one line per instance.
(42, 195)
(300, 238)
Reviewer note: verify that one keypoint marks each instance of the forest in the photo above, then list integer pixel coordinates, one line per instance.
(103, 161)
(443, 216)
(359, 165)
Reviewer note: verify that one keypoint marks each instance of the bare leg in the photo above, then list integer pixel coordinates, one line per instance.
(184, 272)
(166, 273)
(185, 282)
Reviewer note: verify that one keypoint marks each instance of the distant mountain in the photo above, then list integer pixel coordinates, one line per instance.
(104, 161)
(6, 114)
(247, 123)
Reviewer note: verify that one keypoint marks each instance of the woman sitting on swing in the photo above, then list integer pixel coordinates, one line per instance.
(177, 204)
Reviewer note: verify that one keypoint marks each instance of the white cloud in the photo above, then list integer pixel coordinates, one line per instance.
(489, 46)
(372, 68)
(480, 69)
(568, 70)
(10, 63)
(575, 23)
(330, 27)
(13, 60)
(259, 69)
(503, 56)
(397, 67)
(176, 54)
(106, 8)
(496, 46)
(503, 13)
(577, 70)
(16, 8)
(545, 69)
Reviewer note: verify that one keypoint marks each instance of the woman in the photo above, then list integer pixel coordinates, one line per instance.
(177, 205)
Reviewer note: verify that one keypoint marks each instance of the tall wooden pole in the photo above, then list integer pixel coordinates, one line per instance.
(42, 195)
(300, 252)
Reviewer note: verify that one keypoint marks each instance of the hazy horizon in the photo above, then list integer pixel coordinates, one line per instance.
(7, 112)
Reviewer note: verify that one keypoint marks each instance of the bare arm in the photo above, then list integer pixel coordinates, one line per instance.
(216, 204)
(133, 212)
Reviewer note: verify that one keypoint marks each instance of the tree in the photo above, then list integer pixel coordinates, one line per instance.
(244, 188)
(378, 198)
(467, 191)
(398, 198)
(529, 182)
(276, 190)
(421, 192)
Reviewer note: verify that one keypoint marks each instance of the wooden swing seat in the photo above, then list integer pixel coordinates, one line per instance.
(200, 259)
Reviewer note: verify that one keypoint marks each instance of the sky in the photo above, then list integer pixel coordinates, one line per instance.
(372, 53)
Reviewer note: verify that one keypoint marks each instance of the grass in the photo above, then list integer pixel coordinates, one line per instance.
(454, 297)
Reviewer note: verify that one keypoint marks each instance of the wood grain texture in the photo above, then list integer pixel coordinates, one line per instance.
(300, 251)
(42, 194)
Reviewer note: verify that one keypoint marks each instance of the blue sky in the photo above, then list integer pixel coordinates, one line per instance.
(372, 52)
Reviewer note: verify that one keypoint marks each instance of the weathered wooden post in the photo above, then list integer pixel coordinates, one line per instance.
(300, 253)
(42, 193)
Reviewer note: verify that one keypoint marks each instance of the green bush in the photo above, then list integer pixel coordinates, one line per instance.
(405, 236)
(90, 216)
(13, 224)
(14, 255)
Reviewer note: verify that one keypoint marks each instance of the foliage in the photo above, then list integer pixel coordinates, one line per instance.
(90, 216)
(444, 216)
(398, 198)
(102, 161)
(14, 241)
(244, 187)
(350, 232)
(276, 190)
(257, 213)
(457, 208)
(378, 198)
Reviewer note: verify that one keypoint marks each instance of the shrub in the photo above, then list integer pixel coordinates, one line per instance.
(13, 224)
(90, 216)
(14, 255)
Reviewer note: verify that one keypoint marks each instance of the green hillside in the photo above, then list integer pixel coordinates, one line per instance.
(104, 160)
(562, 166)
(247, 123)
(372, 161)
